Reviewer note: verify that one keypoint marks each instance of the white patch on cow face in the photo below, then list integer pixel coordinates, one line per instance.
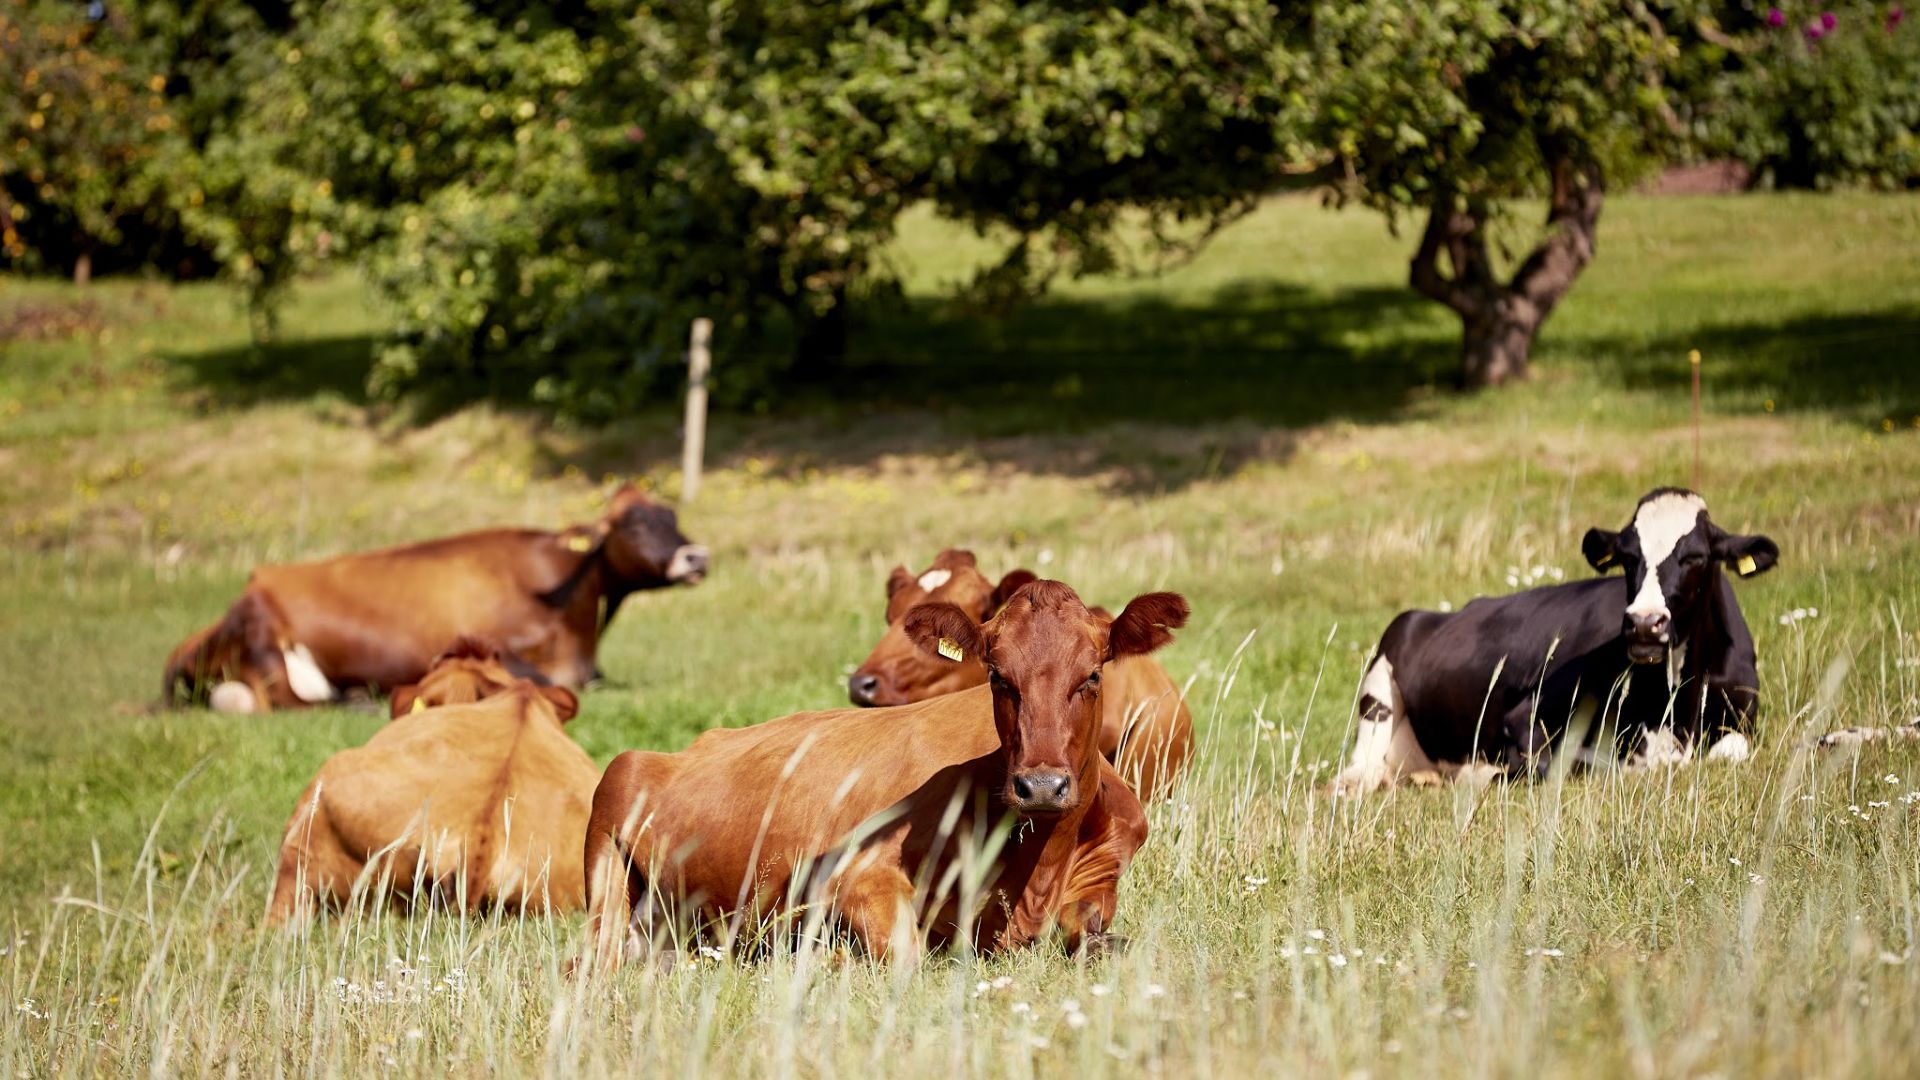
(231, 697)
(305, 678)
(933, 579)
(689, 563)
(1731, 747)
(1661, 523)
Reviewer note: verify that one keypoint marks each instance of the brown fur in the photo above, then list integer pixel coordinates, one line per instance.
(1145, 730)
(877, 805)
(479, 794)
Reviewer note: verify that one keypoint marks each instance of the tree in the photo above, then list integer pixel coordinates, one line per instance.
(1821, 95)
(1457, 109)
(78, 125)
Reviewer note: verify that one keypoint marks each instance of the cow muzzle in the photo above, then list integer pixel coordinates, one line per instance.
(867, 689)
(1041, 791)
(688, 565)
(1647, 636)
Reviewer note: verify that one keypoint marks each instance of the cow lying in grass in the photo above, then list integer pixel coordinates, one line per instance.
(473, 794)
(302, 634)
(1145, 728)
(1662, 660)
(879, 817)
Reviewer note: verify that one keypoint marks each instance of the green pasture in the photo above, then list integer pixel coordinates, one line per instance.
(1267, 429)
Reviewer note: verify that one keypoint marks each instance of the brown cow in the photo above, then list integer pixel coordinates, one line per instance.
(877, 813)
(1145, 728)
(473, 794)
(300, 633)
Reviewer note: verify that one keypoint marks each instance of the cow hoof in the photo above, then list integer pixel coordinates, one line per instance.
(1427, 778)
(1093, 946)
(1731, 747)
(1351, 784)
(231, 697)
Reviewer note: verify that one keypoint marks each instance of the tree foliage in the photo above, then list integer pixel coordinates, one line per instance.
(548, 191)
(1823, 95)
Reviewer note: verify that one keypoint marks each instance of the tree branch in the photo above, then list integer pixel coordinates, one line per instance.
(1573, 222)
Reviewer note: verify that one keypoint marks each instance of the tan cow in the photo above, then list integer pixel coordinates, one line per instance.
(1145, 728)
(473, 795)
(874, 815)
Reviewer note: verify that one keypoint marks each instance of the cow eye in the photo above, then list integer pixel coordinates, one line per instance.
(998, 680)
(1692, 558)
(1092, 683)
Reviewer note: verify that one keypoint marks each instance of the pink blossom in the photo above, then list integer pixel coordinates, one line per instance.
(1776, 18)
(1828, 19)
(1894, 15)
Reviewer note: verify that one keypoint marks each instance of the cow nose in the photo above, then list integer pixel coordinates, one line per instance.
(689, 563)
(1042, 789)
(862, 687)
(1651, 626)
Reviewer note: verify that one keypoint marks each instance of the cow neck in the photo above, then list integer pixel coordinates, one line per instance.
(586, 583)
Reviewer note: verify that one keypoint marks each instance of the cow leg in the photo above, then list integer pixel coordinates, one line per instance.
(1384, 746)
(1113, 831)
(314, 863)
(619, 902)
(875, 899)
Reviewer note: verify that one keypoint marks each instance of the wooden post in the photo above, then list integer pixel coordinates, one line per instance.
(695, 447)
(1693, 361)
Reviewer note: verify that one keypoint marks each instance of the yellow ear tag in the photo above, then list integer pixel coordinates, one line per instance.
(579, 543)
(1747, 565)
(418, 706)
(950, 649)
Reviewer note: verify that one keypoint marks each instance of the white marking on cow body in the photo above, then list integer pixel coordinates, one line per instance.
(1661, 524)
(1731, 747)
(304, 677)
(933, 579)
(1676, 664)
(1383, 750)
(231, 697)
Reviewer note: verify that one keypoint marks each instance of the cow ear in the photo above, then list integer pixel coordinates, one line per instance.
(955, 558)
(943, 630)
(626, 497)
(898, 579)
(1747, 555)
(1601, 549)
(1147, 623)
(404, 700)
(1012, 583)
(566, 705)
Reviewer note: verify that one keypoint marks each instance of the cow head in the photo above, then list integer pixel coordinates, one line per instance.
(644, 544)
(473, 670)
(1043, 653)
(1671, 553)
(897, 672)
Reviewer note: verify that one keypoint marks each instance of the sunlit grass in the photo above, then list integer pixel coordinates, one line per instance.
(1732, 921)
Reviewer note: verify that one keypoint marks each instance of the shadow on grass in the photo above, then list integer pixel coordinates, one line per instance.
(280, 371)
(1151, 393)
(1862, 366)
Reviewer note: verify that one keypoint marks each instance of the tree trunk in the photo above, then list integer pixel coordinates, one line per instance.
(1497, 343)
(822, 345)
(1499, 318)
(83, 267)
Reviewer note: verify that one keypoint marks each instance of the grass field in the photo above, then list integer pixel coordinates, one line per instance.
(1266, 430)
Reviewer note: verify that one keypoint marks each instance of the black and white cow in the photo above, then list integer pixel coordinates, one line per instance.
(1662, 664)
